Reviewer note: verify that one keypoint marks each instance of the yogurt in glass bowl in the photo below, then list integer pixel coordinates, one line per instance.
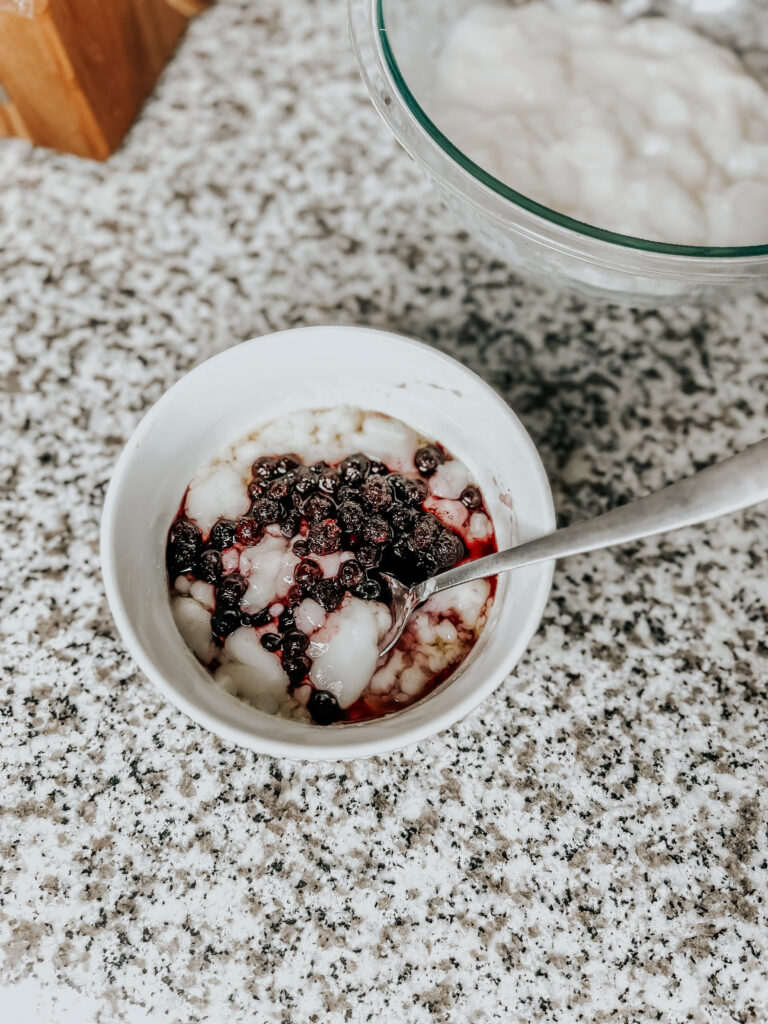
(266, 394)
(617, 149)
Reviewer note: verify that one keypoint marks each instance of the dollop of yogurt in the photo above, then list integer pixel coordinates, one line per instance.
(345, 650)
(643, 127)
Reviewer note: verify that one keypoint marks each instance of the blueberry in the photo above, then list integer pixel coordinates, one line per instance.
(328, 481)
(230, 590)
(271, 641)
(295, 643)
(354, 469)
(285, 621)
(346, 493)
(262, 618)
(266, 511)
(376, 492)
(377, 468)
(319, 467)
(279, 489)
(295, 595)
(323, 707)
(351, 573)
(377, 530)
(427, 459)
(180, 560)
(291, 524)
(248, 530)
(257, 489)
(184, 531)
(302, 481)
(285, 463)
(368, 590)
(351, 516)
(306, 571)
(209, 566)
(471, 497)
(318, 507)
(412, 492)
(222, 535)
(426, 531)
(328, 594)
(184, 543)
(368, 556)
(402, 518)
(447, 550)
(297, 668)
(396, 482)
(300, 548)
(264, 468)
(324, 538)
(223, 622)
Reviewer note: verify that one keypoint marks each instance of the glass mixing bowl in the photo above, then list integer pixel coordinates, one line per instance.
(396, 43)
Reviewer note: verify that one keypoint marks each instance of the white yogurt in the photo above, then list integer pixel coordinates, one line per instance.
(344, 643)
(643, 127)
(345, 651)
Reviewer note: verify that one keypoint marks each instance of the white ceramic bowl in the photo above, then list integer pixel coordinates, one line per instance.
(232, 394)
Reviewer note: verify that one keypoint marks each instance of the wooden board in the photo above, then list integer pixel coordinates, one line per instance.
(78, 72)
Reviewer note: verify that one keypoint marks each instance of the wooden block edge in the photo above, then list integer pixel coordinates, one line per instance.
(11, 123)
(190, 8)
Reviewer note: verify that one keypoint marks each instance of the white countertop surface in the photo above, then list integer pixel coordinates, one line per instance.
(590, 845)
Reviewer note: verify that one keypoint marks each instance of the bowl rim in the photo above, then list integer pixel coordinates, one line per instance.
(353, 747)
(467, 165)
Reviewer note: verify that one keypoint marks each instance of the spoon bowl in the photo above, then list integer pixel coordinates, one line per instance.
(403, 601)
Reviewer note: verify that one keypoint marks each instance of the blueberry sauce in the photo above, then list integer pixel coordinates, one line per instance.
(383, 520)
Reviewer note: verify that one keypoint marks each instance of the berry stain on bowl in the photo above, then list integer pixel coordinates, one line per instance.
(275, 562)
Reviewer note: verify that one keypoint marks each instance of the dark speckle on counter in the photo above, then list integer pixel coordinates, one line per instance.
(590, 845)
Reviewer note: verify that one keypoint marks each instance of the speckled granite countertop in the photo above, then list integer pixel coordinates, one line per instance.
(590, 845)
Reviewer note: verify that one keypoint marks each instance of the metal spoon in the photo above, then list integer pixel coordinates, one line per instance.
(727, 486)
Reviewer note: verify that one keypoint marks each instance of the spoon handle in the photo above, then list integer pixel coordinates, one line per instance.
(734, 483)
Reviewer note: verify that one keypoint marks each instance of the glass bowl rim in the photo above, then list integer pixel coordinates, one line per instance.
(730, 252)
